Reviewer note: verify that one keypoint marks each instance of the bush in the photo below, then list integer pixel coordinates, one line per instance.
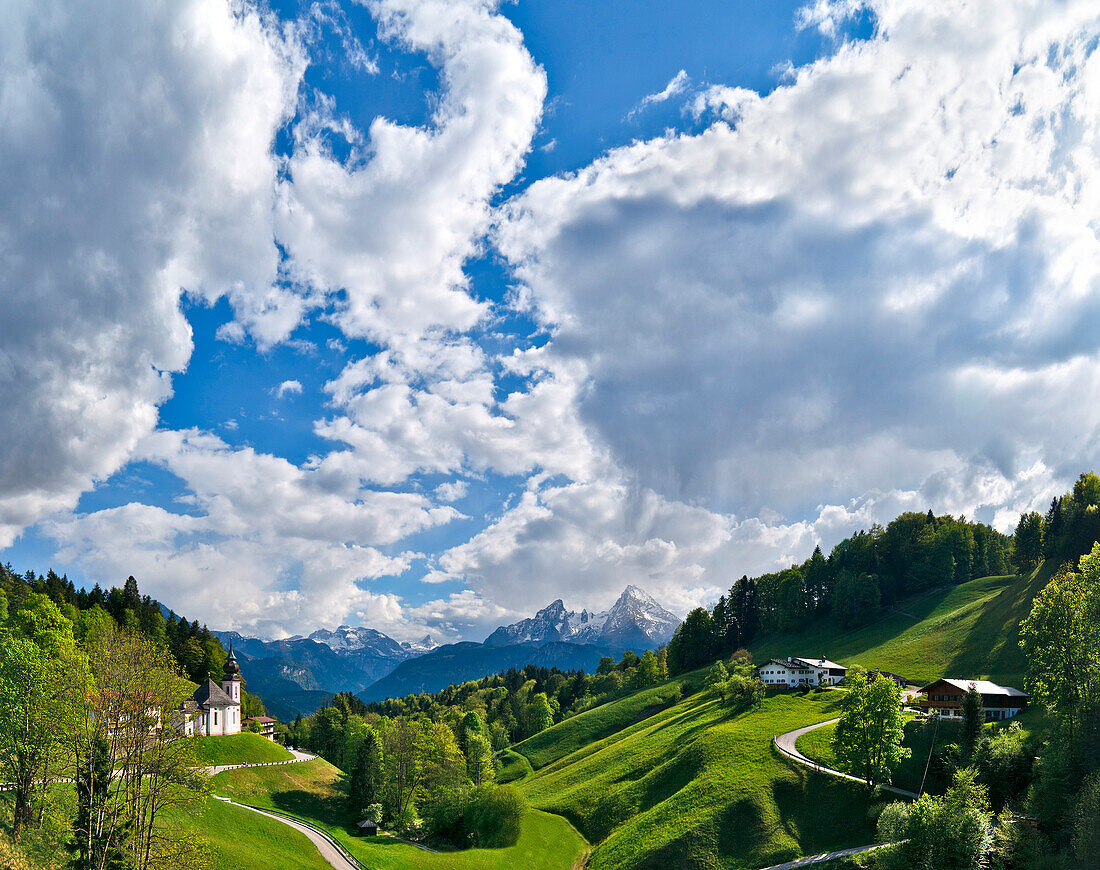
(493, 814)
(446, 818)
(406, 821)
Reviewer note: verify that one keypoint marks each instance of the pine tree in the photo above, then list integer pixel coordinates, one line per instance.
(366, 780)
(973, 717)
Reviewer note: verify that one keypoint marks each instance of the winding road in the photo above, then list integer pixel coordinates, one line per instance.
(787, 744)
(298, 756)
(335, 854)
(330, 850)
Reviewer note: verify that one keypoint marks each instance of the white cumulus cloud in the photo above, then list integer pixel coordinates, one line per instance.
(136, 151)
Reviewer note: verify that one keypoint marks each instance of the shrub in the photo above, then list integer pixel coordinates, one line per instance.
(493, 814)
(445, 819)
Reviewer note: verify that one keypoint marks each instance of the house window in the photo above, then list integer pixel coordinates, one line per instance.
(215, 717)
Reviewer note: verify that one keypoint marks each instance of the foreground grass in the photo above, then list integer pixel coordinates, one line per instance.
(220, 836)
(970, 630)
(696, 787)
(243, 748)
(236, 837)
(313, 791)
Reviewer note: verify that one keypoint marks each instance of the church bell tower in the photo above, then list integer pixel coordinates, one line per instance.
(231, 677)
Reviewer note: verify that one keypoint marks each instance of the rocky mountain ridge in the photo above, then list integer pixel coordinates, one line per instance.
(635, 619)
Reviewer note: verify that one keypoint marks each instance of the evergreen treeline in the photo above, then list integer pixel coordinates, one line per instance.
(1066, 533)
(915, 552)
(514, 704)
(198, 652)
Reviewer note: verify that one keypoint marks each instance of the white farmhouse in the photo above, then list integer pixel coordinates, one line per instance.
(801, 671)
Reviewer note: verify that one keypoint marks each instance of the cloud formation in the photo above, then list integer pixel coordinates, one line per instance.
(390, 226)
(257, 543)
(874, 289)
(136, 146)
(857, 285)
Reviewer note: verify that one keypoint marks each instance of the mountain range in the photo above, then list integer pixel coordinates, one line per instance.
(299, 674)
(635, 620)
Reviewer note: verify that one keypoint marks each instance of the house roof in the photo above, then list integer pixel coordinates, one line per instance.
(985, 687)
(781, 663)
(259, 719)
(820, 662)
(366, 823)
(210, 694)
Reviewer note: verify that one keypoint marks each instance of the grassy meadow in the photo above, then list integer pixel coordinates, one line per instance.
(311, 790)
(694, 786)
(236, 837)
(245, 748)
(968, 630)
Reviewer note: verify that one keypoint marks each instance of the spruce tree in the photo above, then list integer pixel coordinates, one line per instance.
(973, 717)
(365, 782)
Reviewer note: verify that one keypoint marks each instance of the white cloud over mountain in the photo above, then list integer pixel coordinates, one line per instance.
(875, 289)
(135, 141)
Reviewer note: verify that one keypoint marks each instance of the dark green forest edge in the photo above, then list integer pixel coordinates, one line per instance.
(659, 760)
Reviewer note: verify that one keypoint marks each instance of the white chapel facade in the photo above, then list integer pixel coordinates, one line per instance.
(213, 709)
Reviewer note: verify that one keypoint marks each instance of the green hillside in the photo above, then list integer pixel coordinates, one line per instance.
(694, 786)
(237, 837)
(590, 726)
(243, 748)
(969, 630)
(312, 791)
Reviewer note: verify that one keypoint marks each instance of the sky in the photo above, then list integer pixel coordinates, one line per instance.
(420, 314)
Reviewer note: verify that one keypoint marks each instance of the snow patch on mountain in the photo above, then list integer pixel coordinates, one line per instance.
(346, 639)
(636, 619)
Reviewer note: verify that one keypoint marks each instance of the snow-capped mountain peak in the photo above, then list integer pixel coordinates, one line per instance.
(425, 644)
(635, 620)
(348, 639)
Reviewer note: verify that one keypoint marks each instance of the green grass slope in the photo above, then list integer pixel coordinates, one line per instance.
(243, 748)
(693, 786)
(237, 837)
(312, 791)
(970, 630)
(593, 725)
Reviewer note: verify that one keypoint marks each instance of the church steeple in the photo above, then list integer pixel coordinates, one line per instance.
(231, 676)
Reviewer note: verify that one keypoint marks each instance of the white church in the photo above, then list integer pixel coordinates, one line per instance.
(215, 710)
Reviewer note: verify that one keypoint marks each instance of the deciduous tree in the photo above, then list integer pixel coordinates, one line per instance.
(868, 737)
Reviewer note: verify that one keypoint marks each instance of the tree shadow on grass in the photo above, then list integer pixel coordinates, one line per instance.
(822, 812)
(328, 809)
(992, 644)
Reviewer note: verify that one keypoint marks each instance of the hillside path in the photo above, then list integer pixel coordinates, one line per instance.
(298, 756)
(786, 743)
(810, 860)
(329, 849)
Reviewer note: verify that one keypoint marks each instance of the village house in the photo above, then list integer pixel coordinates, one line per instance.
(265, 724)
(801, 671)
(944, 698)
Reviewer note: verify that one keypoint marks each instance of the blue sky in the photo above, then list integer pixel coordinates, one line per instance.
(421, 314)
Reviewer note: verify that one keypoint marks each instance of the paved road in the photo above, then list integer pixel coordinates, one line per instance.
(298, 756)
(810, 860)
(786, 743)
(325, 844)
